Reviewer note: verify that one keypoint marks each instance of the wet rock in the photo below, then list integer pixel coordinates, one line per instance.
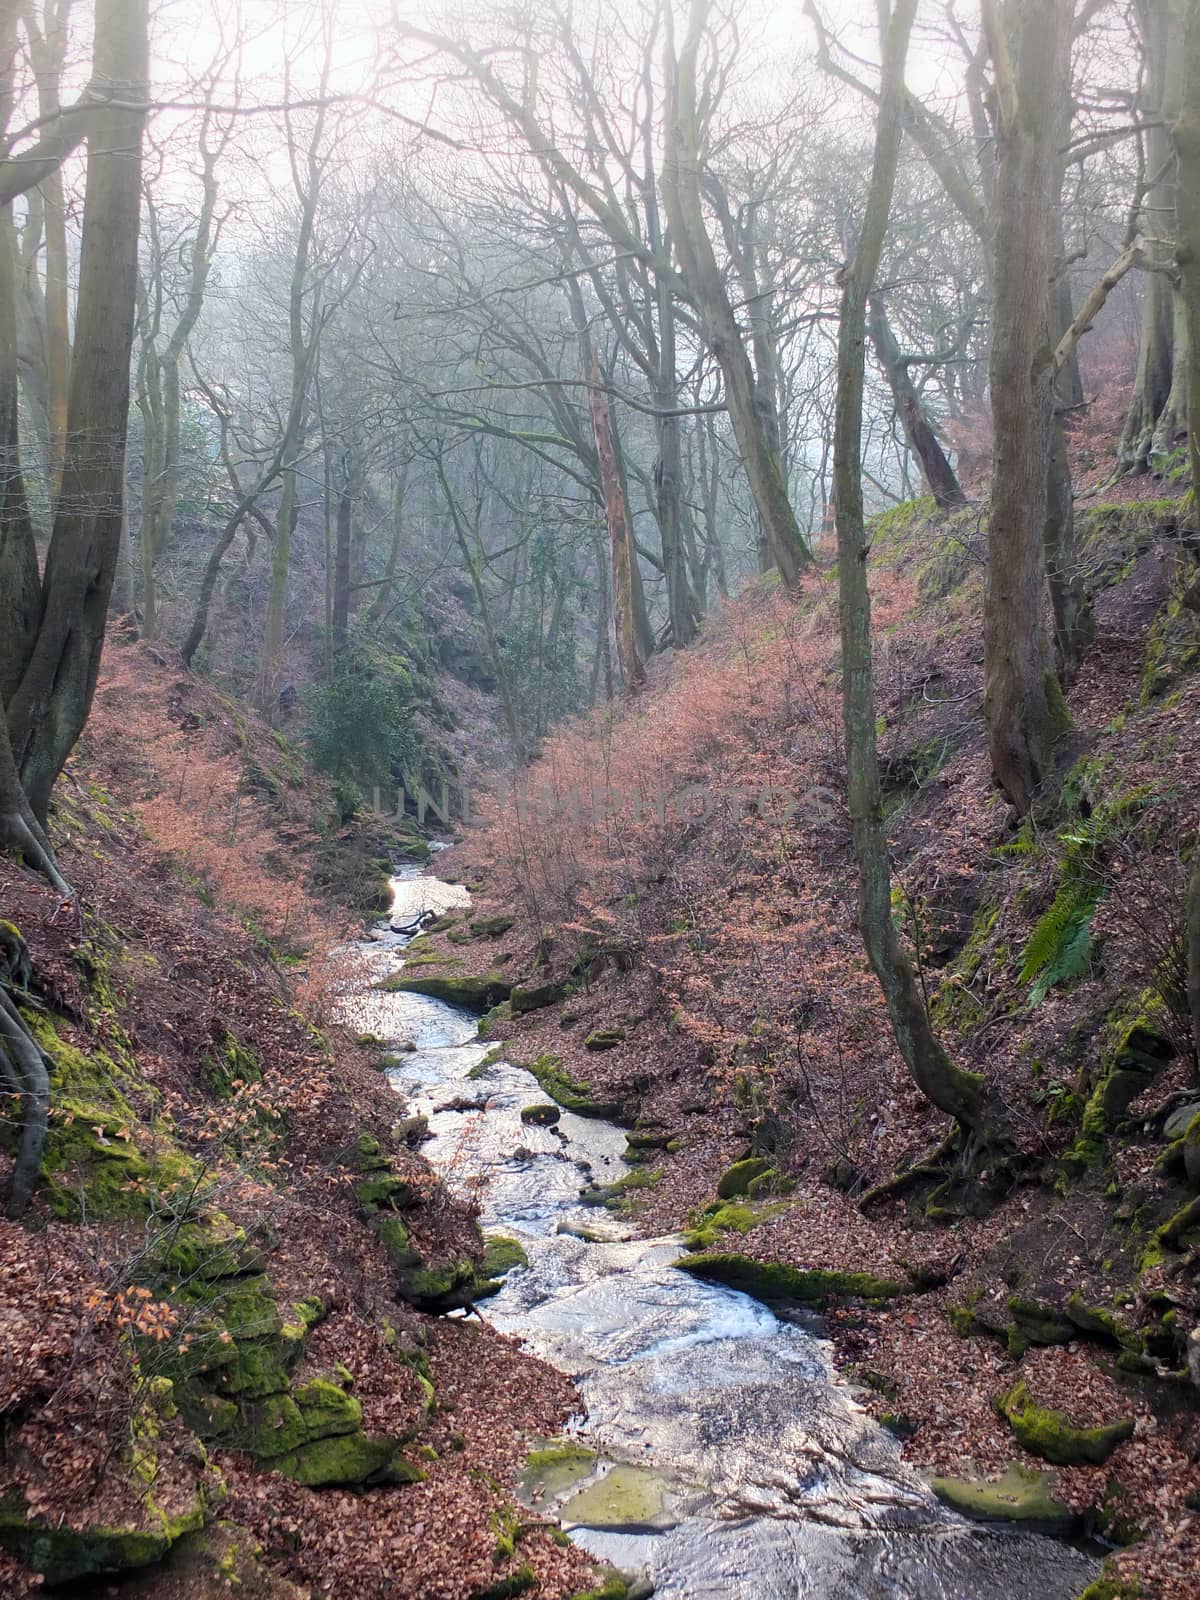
(782, 1285)
(468, 993)
(543, 1115)
(1021, 1495)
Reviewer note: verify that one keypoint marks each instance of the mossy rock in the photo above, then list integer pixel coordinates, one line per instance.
(1036, 1322)
(1135, 1055)
(348, 1458)
(453, 1287)
(384, 1191)
(501, 1255)
(541, 1115)
(782, 1285)
(62, 1555)
(1048, 1434)
(396, 1242)
(736, 1180)
(491, 927)
(555, 1469)
(206, 1250)
(1097, 1321)
(604, 1039)
(570, 1094)
(718, 1219)
(619, 1196)
(616, 1586)
(535, 997)
(478, 994)
(1021, 1495)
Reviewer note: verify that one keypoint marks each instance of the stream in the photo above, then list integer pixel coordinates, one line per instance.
(730, 1459)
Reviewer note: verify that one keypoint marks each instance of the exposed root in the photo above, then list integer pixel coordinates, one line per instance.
(930, 1166)
(23, 1068)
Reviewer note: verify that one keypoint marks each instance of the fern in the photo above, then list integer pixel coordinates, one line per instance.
(1060, 945)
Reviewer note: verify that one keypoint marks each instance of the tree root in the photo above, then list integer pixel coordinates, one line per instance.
(26, 839)
(930, 1166)
(23, 1067)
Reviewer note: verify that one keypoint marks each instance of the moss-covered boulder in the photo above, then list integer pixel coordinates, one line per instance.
(491, 927)
(478, 994)
(62, 1555)
(604, 1039)
(535, 997)
(568, 1092)
(1021, 1495)
(1036, 1322)
(541, 1115)
(1048, 1434)
(736, 1180)
(1136, 1053)
(782, 1285)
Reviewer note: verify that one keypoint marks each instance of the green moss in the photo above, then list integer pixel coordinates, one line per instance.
(614, 1587)
(396, 1241)
(349, 1458)
(478, 994)
(1135, 1050)
(1096, 1320)
(604, 1039)
(535, 997)
(540, 1115)
(230, 1066)
(1036, 1322)
(736, 1180)
(384, 1191)
(1048, 1434)
(516, 1583)
(777, 1284)
(1107, 1587)
(567, 1091)
(502, 1254)
(1021, 1495)
(1182, 1229)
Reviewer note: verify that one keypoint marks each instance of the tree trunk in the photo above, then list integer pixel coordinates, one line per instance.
(50, 706)
(706, 288)
(620, 543)
(1157, 412)
(939, 475)
(1023, 703)
(383, 595)
(1074, 628)
(958, 1093)
(342, 576)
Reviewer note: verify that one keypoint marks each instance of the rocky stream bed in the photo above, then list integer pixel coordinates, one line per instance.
(717, 1453)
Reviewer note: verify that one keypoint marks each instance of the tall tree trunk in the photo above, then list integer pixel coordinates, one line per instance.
(1074, 627)
(958, 1093)
(50, 706)
(1158, 409)
(706, 287)
(620, 542)
(939, 475)
(1023, 702)
(342, 576)
(383, 595)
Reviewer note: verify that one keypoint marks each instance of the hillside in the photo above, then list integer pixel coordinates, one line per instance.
(694, 966)
(225, 1362)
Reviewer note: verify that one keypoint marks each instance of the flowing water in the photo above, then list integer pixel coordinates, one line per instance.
(730, 1460)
